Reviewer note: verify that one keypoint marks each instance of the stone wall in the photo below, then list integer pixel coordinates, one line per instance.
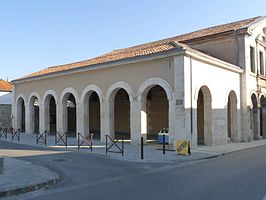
(5, 112)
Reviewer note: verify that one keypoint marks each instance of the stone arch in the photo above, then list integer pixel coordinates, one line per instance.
(91, 100)
(145, 89)
(50, 93)
(20, 110)
(149, 83)
(89, 89)
(33, 110)
(117, 86)
(232, 116)
(66, 92)
(68, 103)
(50, 111)
(262, 116)
(204, 116)
(111, 94)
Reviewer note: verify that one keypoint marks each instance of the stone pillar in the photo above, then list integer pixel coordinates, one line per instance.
(135, 121)
(80, 118)
(28, 121)
(171, 118)
(256, 123)
(59, 116)
(107, 119)
(42, 117)
(144, 120)
(16, 116)
(103, 123)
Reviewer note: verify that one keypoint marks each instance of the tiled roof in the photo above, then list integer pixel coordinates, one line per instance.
(5, 86)
(148, 48)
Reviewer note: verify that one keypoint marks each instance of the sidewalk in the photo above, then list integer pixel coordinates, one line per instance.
(21, 176)
(152, 152)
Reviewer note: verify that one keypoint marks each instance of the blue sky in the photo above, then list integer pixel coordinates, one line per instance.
(36, 34)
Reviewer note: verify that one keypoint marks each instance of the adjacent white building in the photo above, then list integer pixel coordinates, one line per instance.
(5, 103)
(208, 86)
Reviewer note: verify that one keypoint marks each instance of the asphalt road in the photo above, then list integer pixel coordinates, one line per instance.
(240, 175)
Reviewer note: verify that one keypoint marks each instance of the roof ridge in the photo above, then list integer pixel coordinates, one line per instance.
(165, 40)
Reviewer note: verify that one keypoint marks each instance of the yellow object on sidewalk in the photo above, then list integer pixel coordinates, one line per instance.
(183, 147)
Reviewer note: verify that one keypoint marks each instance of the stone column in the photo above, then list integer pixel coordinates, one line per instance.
(59, 116)
(171, 123)
(80, 118)
(107, 119)
(41, 117)
(135, 121)
(256, 123)
(28, 121)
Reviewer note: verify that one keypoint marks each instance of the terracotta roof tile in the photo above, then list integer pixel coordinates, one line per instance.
(5, 86)
(148, 48)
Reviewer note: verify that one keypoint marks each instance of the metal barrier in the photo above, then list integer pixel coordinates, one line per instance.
(41, 138)
(85, 140)
(3, 132)
(15, 134)
(59, 137)
(163, 144)
(114, 143)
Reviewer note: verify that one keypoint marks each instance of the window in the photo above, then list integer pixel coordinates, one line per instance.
(252, 60)
(261, 63)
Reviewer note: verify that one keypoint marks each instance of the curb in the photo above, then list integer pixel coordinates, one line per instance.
(30, 188)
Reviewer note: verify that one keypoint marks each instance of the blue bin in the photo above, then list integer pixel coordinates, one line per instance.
(160, 138)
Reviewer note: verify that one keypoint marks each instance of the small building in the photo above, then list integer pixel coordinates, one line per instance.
(5, 104)
(207, 86)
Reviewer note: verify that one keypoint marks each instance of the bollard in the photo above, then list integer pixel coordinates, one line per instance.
(106, 144)
(123, 146)
(1, 165)
(142, 153)
(163, 144)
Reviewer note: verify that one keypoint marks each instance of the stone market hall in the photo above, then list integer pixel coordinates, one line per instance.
(207, 86)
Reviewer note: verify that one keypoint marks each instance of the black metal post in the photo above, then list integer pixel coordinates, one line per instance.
(163, 144)
(66, 140)
(36, 138)
(106, 144)
(55, 136)
(91, 137)
(122, 146)
(142, 156)
(45, 138)
(78, 141)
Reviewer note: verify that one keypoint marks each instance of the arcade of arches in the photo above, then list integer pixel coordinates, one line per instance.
(154, 103)
(66, 111)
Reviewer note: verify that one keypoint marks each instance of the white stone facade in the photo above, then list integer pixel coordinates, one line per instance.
(5, 98)
(207, 98)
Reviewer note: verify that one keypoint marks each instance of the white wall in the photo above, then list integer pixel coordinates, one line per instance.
(5, 98)
(220, 82)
